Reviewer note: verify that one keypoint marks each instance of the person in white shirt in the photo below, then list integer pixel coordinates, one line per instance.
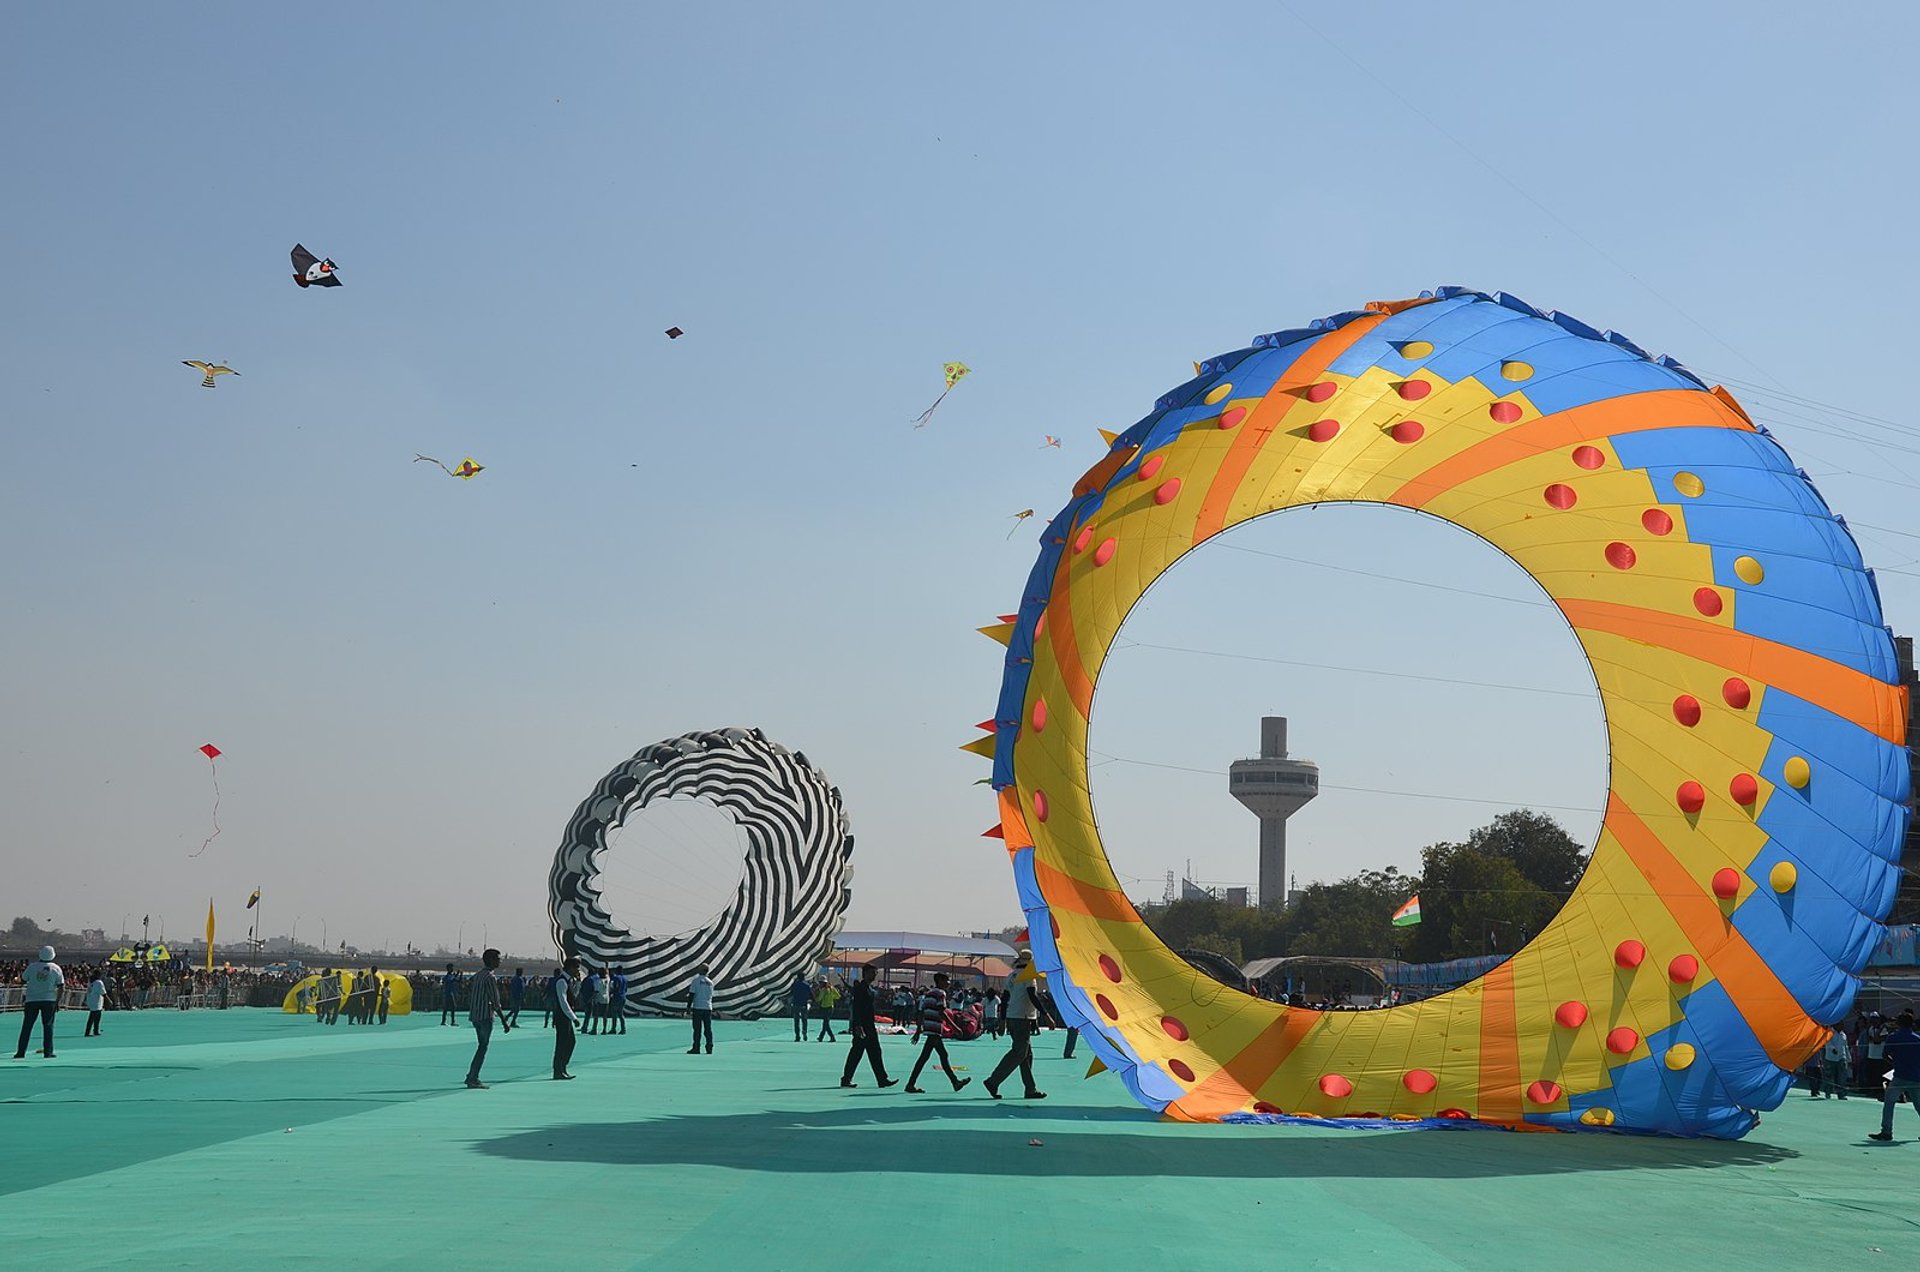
(700, 1002)
(43, 980)
(565, 1018)
(1023, 1017)
(1836, 1064)
(96, 1000)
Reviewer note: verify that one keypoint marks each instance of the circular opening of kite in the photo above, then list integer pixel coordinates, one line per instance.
(1430, 679)
(672, 866)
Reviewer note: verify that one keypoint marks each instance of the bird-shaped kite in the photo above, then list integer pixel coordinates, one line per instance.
(1018, 517)
(466, 470)
(208, 370)
(1051, 441)
(956, 372)
(310, 271)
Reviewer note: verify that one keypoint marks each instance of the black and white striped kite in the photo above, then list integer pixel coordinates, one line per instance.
(792, 897)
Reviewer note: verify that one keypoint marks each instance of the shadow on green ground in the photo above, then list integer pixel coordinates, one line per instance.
(842, 1141)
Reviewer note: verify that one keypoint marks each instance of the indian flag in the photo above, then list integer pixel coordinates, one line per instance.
(1408, 914)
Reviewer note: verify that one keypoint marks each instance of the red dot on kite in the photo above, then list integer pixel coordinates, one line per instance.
(1737, 693)
(1419, 1081)
(1657, 521)
(1151, 467)
(1683, 969)
(1320, 392)
(1335, 1085)
(1560, 496)
(1181, 1070)
(1104, 553)
(1570, 1015)
(1106, 1007)
(1109, 968)
(1040, 804)
(1622, 1041)
(1504, 412)
(1621, 556)
(1407, 432)
(1686, 709)
(1174, 1029)
(1726, 883)
(1040, 624)
(1323, 430)
(1744, 789)
(1083, 539)
(1708, 602)
(1692, 797)
(1039, 715)
(1629, 954)
(1413, 390)
(1232, 418)
(1543, 1092)
(1589, 456)
(1167, 490)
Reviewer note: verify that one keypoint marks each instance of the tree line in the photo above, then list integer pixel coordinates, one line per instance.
(1490, 894)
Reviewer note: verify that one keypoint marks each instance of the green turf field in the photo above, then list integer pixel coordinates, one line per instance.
(253, 1140)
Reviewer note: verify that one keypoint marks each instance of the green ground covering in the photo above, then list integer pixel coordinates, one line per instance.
(251, 1139)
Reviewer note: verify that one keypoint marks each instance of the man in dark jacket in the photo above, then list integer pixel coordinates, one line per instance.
(861, 1029)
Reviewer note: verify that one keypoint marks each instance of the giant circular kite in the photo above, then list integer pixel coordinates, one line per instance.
(792, 896)
(1754, 715)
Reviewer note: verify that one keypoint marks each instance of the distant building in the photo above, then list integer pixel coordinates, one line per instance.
(1273, 788)
(93, 938)
(1237, 897)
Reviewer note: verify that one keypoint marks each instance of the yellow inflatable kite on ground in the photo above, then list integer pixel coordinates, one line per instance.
(301, 998)
(1754, 715)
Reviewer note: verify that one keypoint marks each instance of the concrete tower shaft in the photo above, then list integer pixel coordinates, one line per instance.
(1273, 788)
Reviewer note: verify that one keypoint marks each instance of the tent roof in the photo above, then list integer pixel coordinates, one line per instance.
(924, 943)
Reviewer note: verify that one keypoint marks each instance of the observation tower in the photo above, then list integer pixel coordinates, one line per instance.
(1273, 788)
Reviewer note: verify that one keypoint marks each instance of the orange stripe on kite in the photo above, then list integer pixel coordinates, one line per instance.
(1785, 1030)
(1874, 705)
(1227, 1089)
(1013, 823)
(1066, 644)
(1499, 1048)
(1253, 434)
(1064, 892)
(1633, 413)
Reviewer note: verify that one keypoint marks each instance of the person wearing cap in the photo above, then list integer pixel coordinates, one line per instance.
(1023, 1015)
(1902, 1050)
(42, 980)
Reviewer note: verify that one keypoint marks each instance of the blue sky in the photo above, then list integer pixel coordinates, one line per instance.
(415, 679)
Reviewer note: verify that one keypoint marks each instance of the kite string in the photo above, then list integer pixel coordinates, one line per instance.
(214, 771)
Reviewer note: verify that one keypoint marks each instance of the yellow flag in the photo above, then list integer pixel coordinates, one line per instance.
(209, 933)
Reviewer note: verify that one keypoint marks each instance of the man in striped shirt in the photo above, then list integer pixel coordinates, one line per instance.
(933, 1023)
(483, 1004)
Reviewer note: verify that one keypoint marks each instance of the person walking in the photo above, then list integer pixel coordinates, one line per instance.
(1023, 1016)
(799, 998)
(603, 1000)
(700, 1004)
(1073, 1036)
(560, 1005)
(617, 999)
(1902, 1050)
(1836, 1064)
(449, 996)
(825, 999)
(1873, 1055)
(932, 1028)
(42, 981)
(516, 994)
(96, 1001)
(483, 1004)
(864, 1033)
